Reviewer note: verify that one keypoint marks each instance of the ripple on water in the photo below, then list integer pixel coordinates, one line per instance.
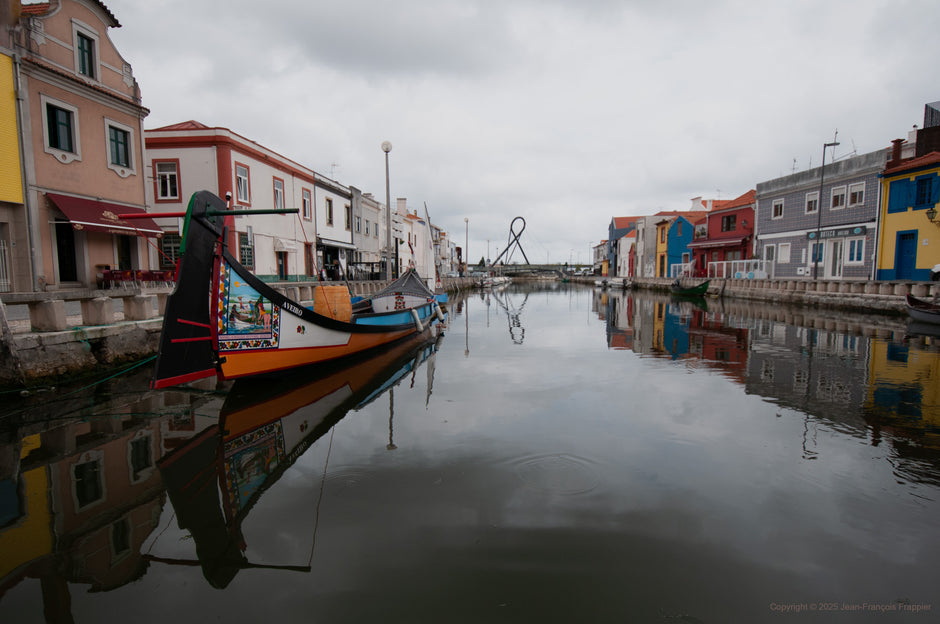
(557, 473)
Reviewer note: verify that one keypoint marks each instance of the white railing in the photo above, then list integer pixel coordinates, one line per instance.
(742, 269)
(6, 280)
(683, 269)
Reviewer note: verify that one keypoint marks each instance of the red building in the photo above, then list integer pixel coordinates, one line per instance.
(726, 233)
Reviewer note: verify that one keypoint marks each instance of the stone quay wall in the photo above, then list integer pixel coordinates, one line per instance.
(53, 342)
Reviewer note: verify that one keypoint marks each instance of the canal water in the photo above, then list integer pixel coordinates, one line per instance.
(558, 454)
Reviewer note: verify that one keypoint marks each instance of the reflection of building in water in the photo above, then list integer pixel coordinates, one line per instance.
(902, 405)
(818, 371)
(86, 494)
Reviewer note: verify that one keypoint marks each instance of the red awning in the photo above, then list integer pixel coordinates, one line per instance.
(727, 242)
(98, 216)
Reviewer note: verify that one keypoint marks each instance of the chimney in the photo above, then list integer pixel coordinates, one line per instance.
(895, 152)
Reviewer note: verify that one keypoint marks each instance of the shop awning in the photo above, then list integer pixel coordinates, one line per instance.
(325, 242)
(727, 242)
(97, 216)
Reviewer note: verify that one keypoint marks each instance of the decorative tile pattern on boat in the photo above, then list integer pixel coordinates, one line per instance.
(249, 459)
(246, 319)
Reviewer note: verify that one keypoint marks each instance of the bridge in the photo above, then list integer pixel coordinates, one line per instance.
(526, 270)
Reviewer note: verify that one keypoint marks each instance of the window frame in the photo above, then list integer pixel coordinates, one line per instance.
(306, 202)
(783, 253)
(158, 197)
(773, 209)
(239, 199)
(729, 223)
(922, 182)
(837, 192)
(329, 210)
(854, 189)
(246, 244)
(347, 217)
(812, 196)
(64, 156)
(169, 254)
(859, 250)
(93, 58)
(277, 189)
(130, 168)
(770, 253)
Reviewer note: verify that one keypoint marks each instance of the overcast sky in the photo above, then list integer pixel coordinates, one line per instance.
(563, 112)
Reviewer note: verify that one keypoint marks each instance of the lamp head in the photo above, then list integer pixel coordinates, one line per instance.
(386, 146)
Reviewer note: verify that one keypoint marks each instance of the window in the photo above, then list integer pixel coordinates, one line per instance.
(728, 223)
(329, 211)
(838, 198)
(777, 210)
(86, 60)
(770, 252)
(87, 479)
(166, 175)
(856, 194)
(679, 228)
(246, 250)
(307, 203)
(783, 253)
(662, 235)
(278, 194)
(347, 209)
(169, 250)
(812, 202)
(121, 536)
(368, 227)
(242, 185)
(358, 225)
(922, 192)
(141, 458)
(817, 252)
(376, 230)
(855, 248)
(60, 130)
(120, 140)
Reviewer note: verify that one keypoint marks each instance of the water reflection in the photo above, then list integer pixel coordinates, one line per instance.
(600, 466)
(84, 485)
(862, 374)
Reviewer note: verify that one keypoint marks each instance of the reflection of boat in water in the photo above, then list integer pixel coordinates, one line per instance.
(264, 427)
(209, 330)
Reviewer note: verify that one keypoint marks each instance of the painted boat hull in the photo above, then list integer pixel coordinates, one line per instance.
(251, 329)
(692, 291)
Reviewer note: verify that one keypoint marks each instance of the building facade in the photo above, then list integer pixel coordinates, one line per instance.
(727, 234)
(80, 127)
(188, 157)
(812, 225)
(908, 245)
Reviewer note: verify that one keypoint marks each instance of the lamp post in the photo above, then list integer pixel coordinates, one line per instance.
(822, 174)
(387, 147)
(466, 246)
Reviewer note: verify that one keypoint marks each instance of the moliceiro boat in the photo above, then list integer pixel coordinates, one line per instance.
(222, 320)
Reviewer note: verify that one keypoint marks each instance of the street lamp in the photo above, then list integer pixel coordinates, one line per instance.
(466, 246)
(822, 173)
(932, 215)
(387, 147)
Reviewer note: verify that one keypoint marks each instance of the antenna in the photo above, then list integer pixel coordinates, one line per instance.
(333, 166)
(793, 169)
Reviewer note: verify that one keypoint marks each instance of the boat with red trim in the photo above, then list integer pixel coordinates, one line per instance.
(223, 320)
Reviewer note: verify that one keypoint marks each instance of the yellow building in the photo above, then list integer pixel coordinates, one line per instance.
(662, 247)
(909, 242)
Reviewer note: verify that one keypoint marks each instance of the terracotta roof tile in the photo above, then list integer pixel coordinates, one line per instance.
(929, 158)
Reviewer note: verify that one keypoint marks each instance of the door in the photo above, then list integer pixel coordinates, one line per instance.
(281, 265)
(125, 253)
(834, 260)
(905, 258)
(65, 249)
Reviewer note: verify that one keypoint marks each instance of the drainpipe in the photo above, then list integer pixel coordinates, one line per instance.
(31, 235)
